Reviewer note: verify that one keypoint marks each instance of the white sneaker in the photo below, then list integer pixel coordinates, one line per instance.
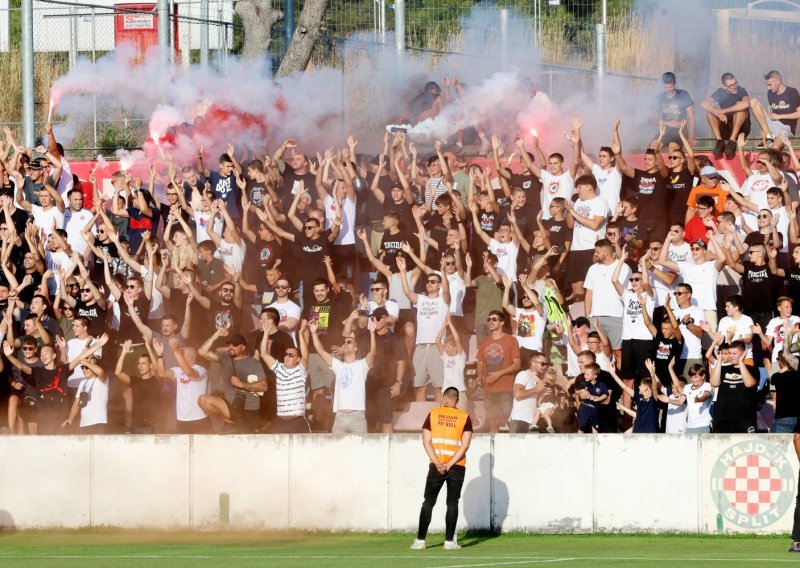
(418, 544)
(451, 545)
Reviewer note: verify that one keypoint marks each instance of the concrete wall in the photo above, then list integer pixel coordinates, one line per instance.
(543, 483)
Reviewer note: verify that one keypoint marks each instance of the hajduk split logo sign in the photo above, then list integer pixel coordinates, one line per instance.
(752, 484)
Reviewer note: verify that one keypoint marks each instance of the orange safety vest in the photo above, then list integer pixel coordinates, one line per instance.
(447, 427)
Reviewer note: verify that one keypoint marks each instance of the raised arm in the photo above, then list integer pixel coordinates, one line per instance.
(326, 357)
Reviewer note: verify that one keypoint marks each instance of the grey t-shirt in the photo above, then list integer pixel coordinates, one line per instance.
(241, 368)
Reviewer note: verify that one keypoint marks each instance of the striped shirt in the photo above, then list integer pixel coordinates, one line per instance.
(290, 389)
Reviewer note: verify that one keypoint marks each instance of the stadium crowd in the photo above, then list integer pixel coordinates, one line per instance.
(244, 293)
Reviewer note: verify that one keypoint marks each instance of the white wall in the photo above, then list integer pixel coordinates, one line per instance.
(542, 483)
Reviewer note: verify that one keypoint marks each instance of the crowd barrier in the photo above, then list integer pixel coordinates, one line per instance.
(537, 483)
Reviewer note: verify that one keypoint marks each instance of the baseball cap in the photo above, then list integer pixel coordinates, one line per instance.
(710, 172)
(237, 339)
(37, 164)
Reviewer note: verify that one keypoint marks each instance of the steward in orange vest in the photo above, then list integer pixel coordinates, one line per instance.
(446, 435)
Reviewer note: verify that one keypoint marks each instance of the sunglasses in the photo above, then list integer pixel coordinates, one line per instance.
(680, 293)
(376, 289)
(130, 286)
(227, 291)
(698, 248)
(282, 287)
(172, 195)
(432, 281)
(29, 348)
(493, 319)
(73, 285)
(635, 279)
(449, 263)
(764, 216)
(349, 341)
(85, 290)
(543, 363)
(675, 157)
(309, 227)
(290, 355)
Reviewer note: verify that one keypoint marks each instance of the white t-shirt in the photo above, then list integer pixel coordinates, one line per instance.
(74, 229)
(188, 391)
(231, 254)
(44, 219)
(74, 348)
(633, 326)
(661, 290)
(351, 378)
(346, 234)
(703, 280)
(698, 415)
(65, 182)
(287, 309)
(584, 238)
(454, 371)
(598, 280)
(774, 330)
(506, 257)
(692, 347)
(391, 307)
(676, 416)
(529, 328)
(201, 219)
(555, 186)
(679, 253)
(524, 409)
(458, 288)
(609, 183)
(431, 313)
(755, 188)
(290, 389)
(739, 328)
(783, 222)
(96, 409)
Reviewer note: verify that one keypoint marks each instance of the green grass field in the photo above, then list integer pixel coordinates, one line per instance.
(174, 549)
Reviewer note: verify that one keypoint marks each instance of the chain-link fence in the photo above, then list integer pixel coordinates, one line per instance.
(558, 39)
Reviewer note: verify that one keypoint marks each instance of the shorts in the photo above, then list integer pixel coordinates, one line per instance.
(588, 422)
(726, 128)
(612, 327)
(350, 423)
(247, 421)
(319, 374)
(202, 426)
(578, 264)
(519, 427)
(734, 426)
(294, 425)
(406, 315)
(428, 366)
(634, 353)
(498, 405)
(545, 406)
(384, 405)
(654, 230)
(778, 128)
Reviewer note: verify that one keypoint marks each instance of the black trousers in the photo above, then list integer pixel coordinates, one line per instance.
(796, 525)
(433, 484)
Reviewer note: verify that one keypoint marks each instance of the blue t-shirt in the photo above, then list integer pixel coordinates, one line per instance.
(646, 415)
(589, 407)
(225, 188)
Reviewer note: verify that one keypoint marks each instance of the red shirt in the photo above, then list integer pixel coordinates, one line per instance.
(695, 229)
(496, 354)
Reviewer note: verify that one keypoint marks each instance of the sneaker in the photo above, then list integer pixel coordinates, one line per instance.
(719, 149)
(763, 146)
(551, 430)
(451, 545)
(418, 544)
(730, 149)
(795, 547)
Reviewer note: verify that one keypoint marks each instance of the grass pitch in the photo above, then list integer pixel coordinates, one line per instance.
(89, 548)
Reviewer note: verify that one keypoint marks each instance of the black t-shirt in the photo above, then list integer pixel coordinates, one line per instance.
(289, 177)
(95, 314)
(726, 99)
(310, 253)
(371, 210)
(226, 317)
(559, 232)
(525, 216)
(225, 188)
(255, 191)
(330, 315)
(787, 393)
(663, 350)
(403, 209)
(756, 288)
(390, 350)
(679, 184)
(127, 329)
(108, 248)
(734, 400)
(52, 384)
(146, 396)
(533, 190)
(438, 232)
(391, 245)
(651, 189)
(793, 289)
(674, 108)
(786, 102)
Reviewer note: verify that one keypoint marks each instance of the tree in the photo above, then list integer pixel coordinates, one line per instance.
(305, 36)
(258, 17)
